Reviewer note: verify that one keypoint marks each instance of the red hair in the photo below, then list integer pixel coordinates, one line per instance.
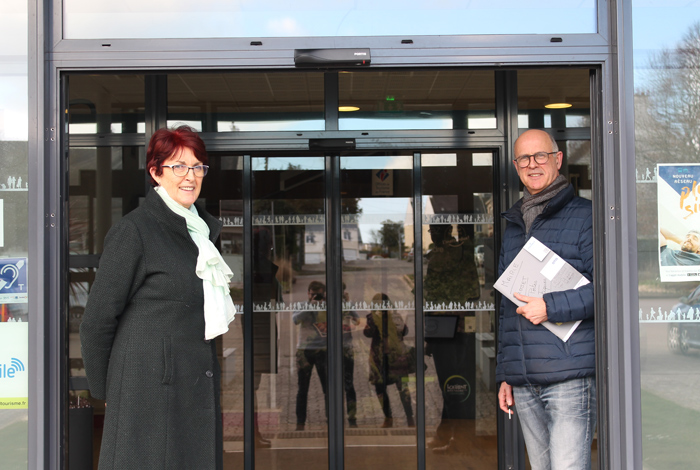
(168, 142)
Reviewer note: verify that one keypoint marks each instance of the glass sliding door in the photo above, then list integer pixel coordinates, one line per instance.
(377, 318)
(459, 311)
(379, 360)
(290, 347)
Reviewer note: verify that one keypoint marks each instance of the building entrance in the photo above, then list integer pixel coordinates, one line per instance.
(363, 279)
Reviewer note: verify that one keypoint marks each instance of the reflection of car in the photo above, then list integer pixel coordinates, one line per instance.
(377, 257)
(409, 256)
(479, 255)
(683, 335)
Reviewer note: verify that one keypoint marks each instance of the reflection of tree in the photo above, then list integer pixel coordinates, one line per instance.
(667, 129)
(390, 237)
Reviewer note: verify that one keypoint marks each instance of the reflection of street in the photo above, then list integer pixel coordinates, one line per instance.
(673, 377)
(8, 417)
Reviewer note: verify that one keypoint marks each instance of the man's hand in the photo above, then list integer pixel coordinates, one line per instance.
(534, 309)
(667, 235)
(505, 397)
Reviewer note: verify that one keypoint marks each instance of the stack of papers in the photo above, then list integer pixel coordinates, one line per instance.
(535, 271)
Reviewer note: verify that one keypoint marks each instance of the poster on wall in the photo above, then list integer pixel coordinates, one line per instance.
(678, 199)
(14, 359)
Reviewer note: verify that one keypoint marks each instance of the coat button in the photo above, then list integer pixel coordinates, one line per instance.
(209, 374)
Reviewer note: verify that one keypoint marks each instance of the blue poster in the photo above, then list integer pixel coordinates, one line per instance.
(678, 198)
(13, 280)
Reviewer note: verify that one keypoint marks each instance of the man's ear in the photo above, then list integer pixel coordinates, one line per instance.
(560, 159)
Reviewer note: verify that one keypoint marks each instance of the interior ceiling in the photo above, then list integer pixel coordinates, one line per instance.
(303, 91)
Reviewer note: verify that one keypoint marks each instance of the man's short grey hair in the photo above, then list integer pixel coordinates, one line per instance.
(555, 147)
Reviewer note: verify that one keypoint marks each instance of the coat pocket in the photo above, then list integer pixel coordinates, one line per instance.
(167, 361)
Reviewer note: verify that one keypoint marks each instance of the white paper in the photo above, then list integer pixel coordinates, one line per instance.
(532, 275)
(536, 248)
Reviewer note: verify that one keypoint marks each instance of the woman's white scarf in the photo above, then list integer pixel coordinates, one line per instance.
(211, 268)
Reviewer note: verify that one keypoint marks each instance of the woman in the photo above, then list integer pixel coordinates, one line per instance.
(160, 296)
(390, 360)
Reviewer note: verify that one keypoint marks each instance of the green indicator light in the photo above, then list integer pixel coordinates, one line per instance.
(389, 98)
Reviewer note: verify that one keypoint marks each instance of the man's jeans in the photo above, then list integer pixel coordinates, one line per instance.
(558, 423)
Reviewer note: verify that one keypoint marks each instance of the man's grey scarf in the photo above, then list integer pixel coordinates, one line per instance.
(534, 204)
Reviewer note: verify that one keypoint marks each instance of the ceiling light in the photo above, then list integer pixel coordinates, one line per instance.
(346, 109)
(558, 105)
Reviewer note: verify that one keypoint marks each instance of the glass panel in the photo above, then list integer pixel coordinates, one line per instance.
(441, 99)
(666, 96)
(289, 311)
(106, 183)
(553, 98)
(225, 180)
(379, 359)
(460, 317)
(106, 104)
(84, 19)
(238, 102)
(14, 253)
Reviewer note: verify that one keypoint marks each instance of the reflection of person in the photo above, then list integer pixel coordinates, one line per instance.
(311, 350)
(267, 290)
(160, 296)
(350, 320)
(389, 358)
(451, 279)
(551, 383)
(688, 255)
(451, 275)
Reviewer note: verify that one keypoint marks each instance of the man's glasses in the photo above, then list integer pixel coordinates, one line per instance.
(181, 170)
(540, 158)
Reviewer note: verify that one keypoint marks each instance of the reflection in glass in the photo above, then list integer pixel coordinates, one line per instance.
(379, 362)
(289, 309)
(84, 19)
(666, 99)
(240, 102)
(426, 99)
(95, 202)
(458, 276)
(106, 104)
(224, 184)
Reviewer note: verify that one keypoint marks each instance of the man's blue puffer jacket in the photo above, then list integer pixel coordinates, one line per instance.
(530, 353)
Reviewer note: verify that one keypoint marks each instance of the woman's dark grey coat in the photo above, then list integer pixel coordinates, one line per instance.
(142, 338)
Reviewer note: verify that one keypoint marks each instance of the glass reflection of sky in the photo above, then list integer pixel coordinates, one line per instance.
(379, 209)
(285, 163)
(91, 19)
(657, 25)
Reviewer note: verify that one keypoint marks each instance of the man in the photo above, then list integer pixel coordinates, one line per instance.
(311, 349)
(688, 255)
(551, 383)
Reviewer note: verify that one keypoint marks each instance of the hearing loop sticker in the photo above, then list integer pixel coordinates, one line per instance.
(13, 280)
